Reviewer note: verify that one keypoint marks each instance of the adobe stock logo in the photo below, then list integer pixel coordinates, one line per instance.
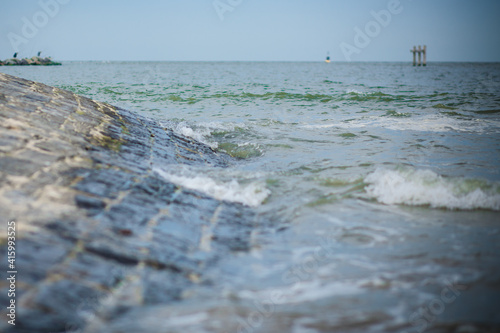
(372, 29)
(222, 7)
(30, 28)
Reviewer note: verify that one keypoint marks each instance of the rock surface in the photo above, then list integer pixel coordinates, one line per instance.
(99, 234)
(33, 61)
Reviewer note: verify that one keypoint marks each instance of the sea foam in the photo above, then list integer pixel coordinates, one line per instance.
(420, 123)
(427, 188)
(200, 132)
(250, 193)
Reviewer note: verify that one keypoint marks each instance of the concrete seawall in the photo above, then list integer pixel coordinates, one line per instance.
(97, 230)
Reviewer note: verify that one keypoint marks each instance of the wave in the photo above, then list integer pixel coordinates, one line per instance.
(204, 132)
(240, 189)
(418, 187)
(188, 94)
(230, 138)
(349, 95)
(192, 95)
(394, 120)
(201, 133)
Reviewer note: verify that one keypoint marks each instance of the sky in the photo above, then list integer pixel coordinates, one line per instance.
(250, 30)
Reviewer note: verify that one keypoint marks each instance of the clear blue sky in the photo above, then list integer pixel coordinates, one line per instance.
(256, 30)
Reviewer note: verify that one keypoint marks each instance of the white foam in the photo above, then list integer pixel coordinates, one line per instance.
(354, 91)
(427, 123)
(188, 131)
(199, 133)
(249, 193)
(202, 131)
(425, 187)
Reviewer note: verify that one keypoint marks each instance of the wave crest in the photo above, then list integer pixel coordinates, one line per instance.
(426, 188)
(245, 191)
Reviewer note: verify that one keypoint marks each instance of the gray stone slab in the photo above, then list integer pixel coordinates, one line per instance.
(101, 235)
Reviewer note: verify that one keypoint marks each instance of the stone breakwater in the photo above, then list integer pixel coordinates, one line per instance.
(101, 238)
(33, 61)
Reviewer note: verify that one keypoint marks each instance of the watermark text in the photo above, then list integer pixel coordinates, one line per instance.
(223, 6)
(30, 27)
(11, 272)
(373, 28)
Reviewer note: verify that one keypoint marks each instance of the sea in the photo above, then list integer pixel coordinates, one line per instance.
(382, 181)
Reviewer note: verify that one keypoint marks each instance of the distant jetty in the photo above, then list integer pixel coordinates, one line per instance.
(34, 61)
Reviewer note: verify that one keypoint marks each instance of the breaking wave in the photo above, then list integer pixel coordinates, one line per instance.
(426, 188)
(227, 137)
(245, 191)
(398, 121)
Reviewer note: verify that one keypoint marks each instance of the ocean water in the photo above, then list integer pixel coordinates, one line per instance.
(383, 180)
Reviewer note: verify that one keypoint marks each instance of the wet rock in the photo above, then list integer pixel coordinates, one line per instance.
(11, 62)
(100, 233)
(89, 203)
(34, 61)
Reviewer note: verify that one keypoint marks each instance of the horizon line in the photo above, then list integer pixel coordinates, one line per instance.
(318, 61)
